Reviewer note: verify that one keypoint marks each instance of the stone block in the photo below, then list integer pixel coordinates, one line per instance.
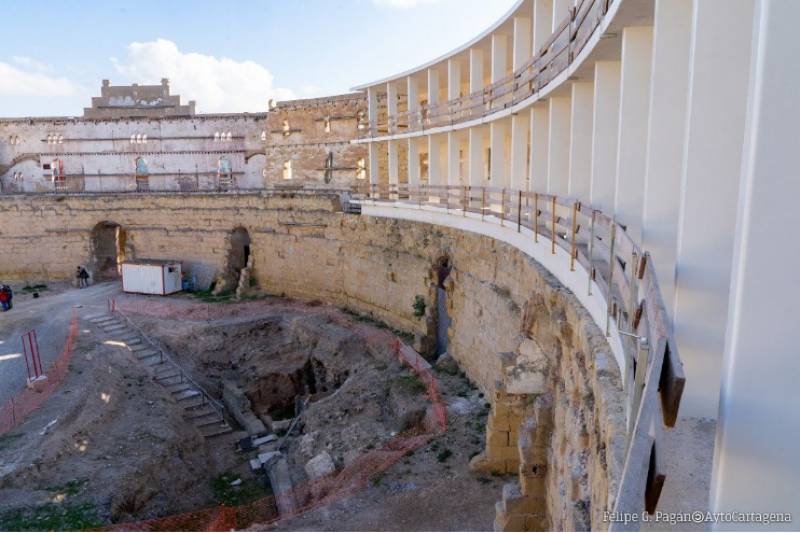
(497, 439)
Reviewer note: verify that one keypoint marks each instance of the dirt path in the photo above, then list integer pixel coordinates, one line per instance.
(49, 316)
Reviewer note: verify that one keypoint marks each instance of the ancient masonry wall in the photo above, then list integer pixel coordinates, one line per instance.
(98, 155)
(313, 137)
(556, 420)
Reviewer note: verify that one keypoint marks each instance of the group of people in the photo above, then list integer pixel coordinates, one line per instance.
(83, 277)
(6, 297)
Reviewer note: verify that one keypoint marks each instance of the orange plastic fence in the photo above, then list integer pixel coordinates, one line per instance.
(346, 482)
(18, 407)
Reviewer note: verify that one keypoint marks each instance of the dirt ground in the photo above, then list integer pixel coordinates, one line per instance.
(361, 399)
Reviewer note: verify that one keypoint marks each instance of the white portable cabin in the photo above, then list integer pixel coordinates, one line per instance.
(147, 276)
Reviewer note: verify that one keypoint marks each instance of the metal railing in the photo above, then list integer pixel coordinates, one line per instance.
(557, 53)
(625, 277)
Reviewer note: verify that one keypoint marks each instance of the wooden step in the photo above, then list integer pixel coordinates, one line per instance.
(193, 414)
(144, 354)
(208, 420)
(151, 361)
(178, 387)
(187, 395)
(215, 431)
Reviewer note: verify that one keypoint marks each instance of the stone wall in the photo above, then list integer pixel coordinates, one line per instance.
(99, 155)
(556, 417)
(305, 132)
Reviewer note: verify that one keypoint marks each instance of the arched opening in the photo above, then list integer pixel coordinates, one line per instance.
(443, 268)
(240, 250)
(142, 175)
(236, 277)
(108, 250)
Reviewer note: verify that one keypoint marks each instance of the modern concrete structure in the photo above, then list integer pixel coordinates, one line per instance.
(676, 117)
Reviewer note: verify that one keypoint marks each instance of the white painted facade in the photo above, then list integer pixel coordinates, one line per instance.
(664, 119)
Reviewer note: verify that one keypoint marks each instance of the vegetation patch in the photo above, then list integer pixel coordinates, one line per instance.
(248, 490)
(51, 517)
(418, 306)
(208, 297)
(410, 382)
(35, 288)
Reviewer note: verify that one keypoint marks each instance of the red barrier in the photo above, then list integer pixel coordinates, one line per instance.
(18, 407)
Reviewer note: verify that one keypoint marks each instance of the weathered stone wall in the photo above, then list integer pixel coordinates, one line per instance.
(306, 131)
(557, 416)
(98, 155)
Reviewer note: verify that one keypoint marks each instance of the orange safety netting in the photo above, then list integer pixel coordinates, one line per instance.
(18, 407)
(311, 495)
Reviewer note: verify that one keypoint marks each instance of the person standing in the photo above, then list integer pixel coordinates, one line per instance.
(83, 274)
(5, 298)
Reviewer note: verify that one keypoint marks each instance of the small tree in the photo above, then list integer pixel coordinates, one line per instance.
(418, 306)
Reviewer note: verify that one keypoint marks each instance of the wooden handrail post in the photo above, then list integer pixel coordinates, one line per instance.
(591, 252)
(502, 205)
(553, 235)
(574, 252)
(483, 202)
(464, 201)
(519, 211)
(611, 260)
(536, 217)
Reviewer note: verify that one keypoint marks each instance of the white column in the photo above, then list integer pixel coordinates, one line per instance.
(558, 146)
(453, 160)
(605, 135)
(477, 176)
(580, 145)
(540, 146)
(475, 69)
(634, 102)
(542, 23)
(413, 161)
(498, 130)
(433, 86)
(665, 139)
(453, 79)
(393, 162)
(372, 109)
(756, 464)
(499, 56)
(391, 102)
(719, 53)
(374, 167)
(520, 131)
(560, 11)
(522, 42)
(435, 161)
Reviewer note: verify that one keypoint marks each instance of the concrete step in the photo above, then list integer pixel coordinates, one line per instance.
(160, 367)
(97, 318)
(144, 354)
(194, 404)
(168, 368)
(172, 380)
(208, 420)
(115, 329)
(178, 387)
(153, 360)
(199, 412)
(188, 394)
(215, 431)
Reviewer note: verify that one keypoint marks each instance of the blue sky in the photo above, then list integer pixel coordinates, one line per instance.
(229, 55)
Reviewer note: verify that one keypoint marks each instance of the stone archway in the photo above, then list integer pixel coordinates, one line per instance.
(108, 250)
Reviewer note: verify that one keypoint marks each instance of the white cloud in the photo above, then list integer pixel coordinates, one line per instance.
(402, 4)
(217, 84)
(32, 80)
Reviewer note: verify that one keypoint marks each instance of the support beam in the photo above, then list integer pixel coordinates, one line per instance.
(558, 146)
(665, 140)
(453, 168)
(580, 146)
(520, 132)
(393, 162)
(542, 23)
(498, 133)
(435, 160)
(475, 70)
(413, 162)
(453, 79)
(433, 86)
(522, 42)
(374, 165)
(476, 167)
(756, 465)
(634, 103)
(719, 53)
(540, 146)
(391, 102)
(499, 56)
(372, 109)
(605, 135)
